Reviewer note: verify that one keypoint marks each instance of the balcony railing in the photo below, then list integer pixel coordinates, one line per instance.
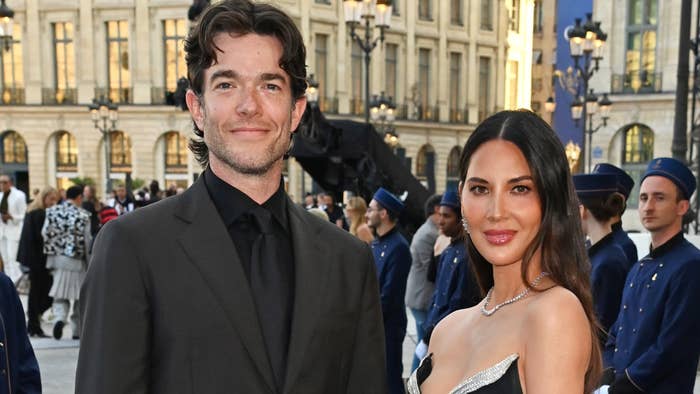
(459, 116)
(117, 95)
(58, 96)
(328, 105)
(428, 113)
(636, 83)
(12, 96)
(357, 106)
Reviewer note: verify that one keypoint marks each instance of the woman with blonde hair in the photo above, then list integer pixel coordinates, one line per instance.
(31, 254)
(355, 212)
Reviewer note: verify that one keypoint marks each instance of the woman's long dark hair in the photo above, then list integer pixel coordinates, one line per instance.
(560, 237)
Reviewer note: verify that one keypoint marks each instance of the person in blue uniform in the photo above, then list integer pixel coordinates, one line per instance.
(625, 183)
(455, 286)
(19, 370)
(599, 202)
(393, 259)
(654, 344)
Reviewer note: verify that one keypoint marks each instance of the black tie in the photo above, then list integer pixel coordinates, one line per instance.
(270, 286)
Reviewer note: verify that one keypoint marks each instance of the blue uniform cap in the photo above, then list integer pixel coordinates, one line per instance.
(625, 183)
(451, 199)
(673, 170)
(389, 201)
(595, 185)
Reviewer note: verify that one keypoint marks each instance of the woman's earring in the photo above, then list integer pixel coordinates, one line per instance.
(465, 224)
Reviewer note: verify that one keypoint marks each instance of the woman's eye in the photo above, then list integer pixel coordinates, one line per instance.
(478, 189)
(520, 189)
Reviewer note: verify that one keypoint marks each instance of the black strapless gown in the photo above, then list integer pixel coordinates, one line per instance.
(502, 378)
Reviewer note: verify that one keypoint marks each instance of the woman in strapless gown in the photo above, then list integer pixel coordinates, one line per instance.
(534, 332)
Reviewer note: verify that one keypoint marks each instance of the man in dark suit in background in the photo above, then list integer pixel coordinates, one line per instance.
(231, 287)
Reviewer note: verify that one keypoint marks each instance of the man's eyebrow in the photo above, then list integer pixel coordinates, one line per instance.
(223, 74)
(272, 77)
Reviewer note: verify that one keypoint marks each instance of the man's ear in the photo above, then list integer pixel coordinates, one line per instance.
(682, 207)
(297, 112)
(195, 107)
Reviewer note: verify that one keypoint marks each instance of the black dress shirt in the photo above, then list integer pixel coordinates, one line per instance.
(236, 210)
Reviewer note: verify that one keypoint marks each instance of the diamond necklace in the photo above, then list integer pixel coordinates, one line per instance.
(518, 297)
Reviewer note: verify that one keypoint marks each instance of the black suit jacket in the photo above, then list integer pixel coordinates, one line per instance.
(166, 308)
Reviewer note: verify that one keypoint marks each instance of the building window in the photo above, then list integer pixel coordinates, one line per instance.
(484, 87)
(637, 151)
(538, 17)
(66, 152)
(12, 70)
(357, 79)
(424, 82)
(321, 52)
(425, 167)
(14, 150)
(486, 15)
(391, 69)
(64, 67)
(456, 112)
(395, 7)
(424, 10)
(121, 152)
(453, 169)
(640, 57)
(174, 34)
(456, 12)
(118, 61)
(512, 84)
(175, 153)
(323, 1)
(514, 17)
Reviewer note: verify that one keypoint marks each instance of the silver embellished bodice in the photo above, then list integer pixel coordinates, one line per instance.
(470, 385)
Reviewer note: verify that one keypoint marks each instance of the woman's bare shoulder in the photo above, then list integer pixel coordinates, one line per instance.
(452, 325)
(556, 307)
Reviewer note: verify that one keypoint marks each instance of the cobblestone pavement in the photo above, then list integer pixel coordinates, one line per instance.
(58, 359)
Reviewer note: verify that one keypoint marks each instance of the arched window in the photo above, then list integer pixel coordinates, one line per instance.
(175, 153)
(66, 152)
(425, 167)
(637, 151)
(453, 168)
(121, 151)
(14, 150)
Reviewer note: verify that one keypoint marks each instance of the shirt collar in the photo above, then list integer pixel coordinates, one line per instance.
(667, 246)
(617, 226)
(231, 203)
(603, 242)
(388, 233)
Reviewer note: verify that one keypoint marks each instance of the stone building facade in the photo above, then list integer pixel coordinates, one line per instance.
(447, 64)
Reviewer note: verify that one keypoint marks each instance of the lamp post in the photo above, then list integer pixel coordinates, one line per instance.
(6, 22)
(355, 12)
(104, 116)
(586, 44)
(311, 91)
(383, 114)
(591, 106)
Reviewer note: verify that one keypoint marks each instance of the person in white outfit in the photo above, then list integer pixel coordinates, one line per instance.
(67, 240)
(13, 205)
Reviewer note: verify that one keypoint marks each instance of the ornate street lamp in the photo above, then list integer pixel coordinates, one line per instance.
(104, 116)
(6, 22)
(383, 114)
(586, 43)
(311, 91)
(368, 10)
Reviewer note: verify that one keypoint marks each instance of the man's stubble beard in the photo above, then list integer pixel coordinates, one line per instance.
(219, 149)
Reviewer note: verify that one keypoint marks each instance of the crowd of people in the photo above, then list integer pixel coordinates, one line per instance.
(521, 280)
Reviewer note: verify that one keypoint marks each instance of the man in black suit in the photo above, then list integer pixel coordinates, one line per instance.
(231, 287)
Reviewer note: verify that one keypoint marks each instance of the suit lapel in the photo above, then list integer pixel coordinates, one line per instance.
(311, 270)
(208, 246)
